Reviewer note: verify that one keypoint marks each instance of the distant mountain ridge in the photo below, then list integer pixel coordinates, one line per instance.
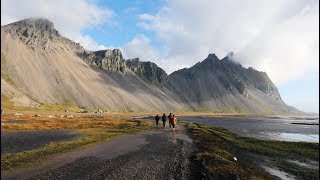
(41, 66)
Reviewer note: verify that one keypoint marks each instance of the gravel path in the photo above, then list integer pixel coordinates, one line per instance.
(156, 154)
(18, 141)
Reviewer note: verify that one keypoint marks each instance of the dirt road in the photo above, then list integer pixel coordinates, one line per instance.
(156, 154)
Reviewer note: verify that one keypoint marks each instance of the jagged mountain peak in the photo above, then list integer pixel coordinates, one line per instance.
(30, 26)
(109, 53)
(39, 32)
(147, 70)
(134, 60)
(212, 56)
(38, 23)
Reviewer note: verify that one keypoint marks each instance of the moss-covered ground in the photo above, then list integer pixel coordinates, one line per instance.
(217, 147)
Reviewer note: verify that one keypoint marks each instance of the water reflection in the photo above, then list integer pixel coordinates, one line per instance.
(174, 138)
(288, 129)
(299, 137)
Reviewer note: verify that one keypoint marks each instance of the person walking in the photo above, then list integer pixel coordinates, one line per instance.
(173, 122)
(157, 120)
(164, 118)
(169, 118)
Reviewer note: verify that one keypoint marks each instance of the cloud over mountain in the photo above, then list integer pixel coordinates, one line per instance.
(268, 35)
(70, 17)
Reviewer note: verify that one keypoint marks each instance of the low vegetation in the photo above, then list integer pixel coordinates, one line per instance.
(218, 148)
(94, 130)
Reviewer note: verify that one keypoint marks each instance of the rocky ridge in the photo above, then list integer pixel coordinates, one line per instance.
(39, 32)
(212, 84)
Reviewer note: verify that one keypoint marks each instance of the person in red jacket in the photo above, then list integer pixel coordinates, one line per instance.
(173, 122)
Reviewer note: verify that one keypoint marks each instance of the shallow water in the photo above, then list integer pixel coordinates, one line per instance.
(296, 137)
(18, 141)
(274, 128)
(282, 175)
(309, 164)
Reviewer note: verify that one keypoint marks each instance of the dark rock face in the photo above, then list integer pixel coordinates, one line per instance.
(251, 77)
(147, 70)
(110, 60)
(232, 75)
(218, 84)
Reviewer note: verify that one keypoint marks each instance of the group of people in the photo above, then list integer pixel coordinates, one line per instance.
(171, 118)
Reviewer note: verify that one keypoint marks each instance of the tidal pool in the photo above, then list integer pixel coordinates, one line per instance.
(274, 128)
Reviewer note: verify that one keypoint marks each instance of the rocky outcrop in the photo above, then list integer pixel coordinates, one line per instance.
(250, 77)
(110, 60)
(148, 71)
(38, 33)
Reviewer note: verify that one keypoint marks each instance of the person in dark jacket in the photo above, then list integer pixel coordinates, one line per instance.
(164, 118)
(157, 120)
(169, 118)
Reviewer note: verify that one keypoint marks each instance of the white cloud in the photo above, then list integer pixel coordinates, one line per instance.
(140, 47)
(289, 49)
(146, 17)
(279, 37)
(69, 17)
(90, 44)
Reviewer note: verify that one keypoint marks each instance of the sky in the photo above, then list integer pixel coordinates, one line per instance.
(279, 37)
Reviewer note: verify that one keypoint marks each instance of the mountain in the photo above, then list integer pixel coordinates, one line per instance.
(225, 84)
(39, 66)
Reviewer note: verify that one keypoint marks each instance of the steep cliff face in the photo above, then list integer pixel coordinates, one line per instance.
(110, 60)
(38, 65)
(225, 84)
(251, 77)
(148, 70)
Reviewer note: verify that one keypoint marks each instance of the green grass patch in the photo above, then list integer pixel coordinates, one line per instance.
(217, 147)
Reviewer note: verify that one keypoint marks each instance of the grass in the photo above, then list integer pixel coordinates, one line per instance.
(217, 147)
(9, 107)
(94, 131)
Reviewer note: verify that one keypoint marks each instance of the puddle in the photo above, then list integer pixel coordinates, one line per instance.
(300, 137)
(184, 137)
(310, 165)
(297, 137)
(278, 173)
(303, 123)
